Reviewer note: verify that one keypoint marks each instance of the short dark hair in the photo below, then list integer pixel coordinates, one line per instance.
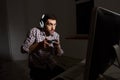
(49, 16)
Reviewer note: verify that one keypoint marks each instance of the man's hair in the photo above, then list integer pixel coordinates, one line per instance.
(49, 16)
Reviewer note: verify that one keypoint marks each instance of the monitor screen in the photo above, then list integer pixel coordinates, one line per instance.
(103, 34)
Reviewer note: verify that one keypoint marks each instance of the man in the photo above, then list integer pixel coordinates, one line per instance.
(41, 44)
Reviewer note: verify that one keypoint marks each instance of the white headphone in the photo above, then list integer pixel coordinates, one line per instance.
(42, 22)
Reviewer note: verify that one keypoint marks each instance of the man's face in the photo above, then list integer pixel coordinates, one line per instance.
(50, 26)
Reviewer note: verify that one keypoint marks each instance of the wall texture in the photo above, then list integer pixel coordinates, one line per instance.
(4, 43)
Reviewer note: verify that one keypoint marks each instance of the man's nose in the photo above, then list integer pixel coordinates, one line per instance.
(52, 27)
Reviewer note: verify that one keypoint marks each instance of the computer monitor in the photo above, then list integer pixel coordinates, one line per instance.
(104, 33)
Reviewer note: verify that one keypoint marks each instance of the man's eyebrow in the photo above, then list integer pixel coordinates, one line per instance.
(50, 23)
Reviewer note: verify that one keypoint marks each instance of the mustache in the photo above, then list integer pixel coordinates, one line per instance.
(52, 30)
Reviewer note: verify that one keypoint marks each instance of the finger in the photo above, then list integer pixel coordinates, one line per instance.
(57, 43)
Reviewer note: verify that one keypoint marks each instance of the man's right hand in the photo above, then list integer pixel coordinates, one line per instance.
(45, 44)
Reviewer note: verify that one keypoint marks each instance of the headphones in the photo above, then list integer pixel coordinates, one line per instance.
(42, 22)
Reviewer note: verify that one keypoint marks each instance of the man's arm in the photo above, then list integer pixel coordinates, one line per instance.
(30, 39)
(36, 46)
(58, 49)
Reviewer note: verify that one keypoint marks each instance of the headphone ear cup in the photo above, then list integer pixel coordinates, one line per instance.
(41, 24)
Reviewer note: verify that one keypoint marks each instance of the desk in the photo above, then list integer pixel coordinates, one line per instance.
(75, 72)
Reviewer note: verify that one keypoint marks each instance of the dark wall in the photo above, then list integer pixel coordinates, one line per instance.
(4, 44)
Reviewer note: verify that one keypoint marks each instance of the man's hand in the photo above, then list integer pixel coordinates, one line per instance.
(36, 46)
(58, 49)
(45, 44)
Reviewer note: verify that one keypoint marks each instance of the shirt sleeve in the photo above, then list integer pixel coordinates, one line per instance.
(30, 39)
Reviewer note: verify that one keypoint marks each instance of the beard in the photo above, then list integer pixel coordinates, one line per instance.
(51, 32)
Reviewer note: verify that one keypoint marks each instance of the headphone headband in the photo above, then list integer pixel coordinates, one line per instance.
(42, 22)
(43, 16)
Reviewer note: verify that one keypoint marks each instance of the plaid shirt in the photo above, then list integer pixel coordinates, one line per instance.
(42, 57)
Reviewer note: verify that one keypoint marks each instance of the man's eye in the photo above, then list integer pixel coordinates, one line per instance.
(49, 24)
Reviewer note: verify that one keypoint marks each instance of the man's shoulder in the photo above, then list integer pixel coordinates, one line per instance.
(35, 29)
